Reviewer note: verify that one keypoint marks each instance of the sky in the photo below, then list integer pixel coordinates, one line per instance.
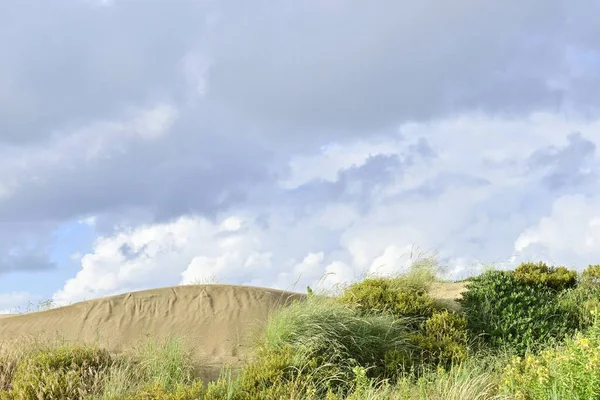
(283, 144)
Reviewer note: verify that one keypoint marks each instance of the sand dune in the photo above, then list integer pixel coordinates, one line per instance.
(217, 322)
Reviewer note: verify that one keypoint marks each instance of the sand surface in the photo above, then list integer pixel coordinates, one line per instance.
(448, 290)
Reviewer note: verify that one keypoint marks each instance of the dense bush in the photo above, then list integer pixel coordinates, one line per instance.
(196, 390)
(566, 372)
(441, 343)
(285, 372)
(66, 372)
(157, 391)
(397, 296)
(444, 341)
(557, 278)
(507, 311)
(580, 302)
(591, 275)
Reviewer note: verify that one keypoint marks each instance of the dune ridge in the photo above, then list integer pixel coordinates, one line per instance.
(216, 322)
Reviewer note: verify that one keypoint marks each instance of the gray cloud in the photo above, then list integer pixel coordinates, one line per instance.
(67, 62)
(185, 173)
(254, 83)
(357, 66)
(566, 167)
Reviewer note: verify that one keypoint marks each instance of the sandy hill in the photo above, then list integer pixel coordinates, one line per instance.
(217, 322)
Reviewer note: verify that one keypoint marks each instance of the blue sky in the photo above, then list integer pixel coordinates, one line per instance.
(153, 143)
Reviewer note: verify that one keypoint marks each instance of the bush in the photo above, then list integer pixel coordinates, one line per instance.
(507, 311)
(71, 372)
(400, 297)
(557, 278)
(157, 391)
(444, 341)
(566, 372)
(580, 302)
(284, 373)
(591, 275)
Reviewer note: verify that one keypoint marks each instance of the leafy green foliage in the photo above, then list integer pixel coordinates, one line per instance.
(591, 275)
(508, 311)
(581, 302)
(397, 296)
(283, 372)
(444, 341)
(557, 278)
(568, 371)
(441, 343)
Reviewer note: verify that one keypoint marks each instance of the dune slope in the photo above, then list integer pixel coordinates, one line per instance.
(217, 322)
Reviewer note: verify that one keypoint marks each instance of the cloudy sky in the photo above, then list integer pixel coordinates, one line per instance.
(148, 143)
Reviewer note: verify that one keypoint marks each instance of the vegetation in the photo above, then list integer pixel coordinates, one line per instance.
(540, 274)
(532, 333)
(508, 312)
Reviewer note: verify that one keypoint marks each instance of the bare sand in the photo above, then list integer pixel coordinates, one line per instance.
(448, 290)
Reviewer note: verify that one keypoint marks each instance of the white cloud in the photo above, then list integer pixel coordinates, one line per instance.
(478, 201)
(393, 260)
(330, 159)
(153, 123)
(89, 221)
(570, 235)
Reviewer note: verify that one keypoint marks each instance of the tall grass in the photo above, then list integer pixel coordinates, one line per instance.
(322, 327)
(166, 362)
(460, 383)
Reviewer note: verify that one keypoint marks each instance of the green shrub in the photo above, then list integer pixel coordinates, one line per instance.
(71, 372)
(284, 373)
(591, 275)
(580, 302)
(507, 311)
(444, 341)
(156, 391)
(400, 297)
(557, 278)
(569, 371)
